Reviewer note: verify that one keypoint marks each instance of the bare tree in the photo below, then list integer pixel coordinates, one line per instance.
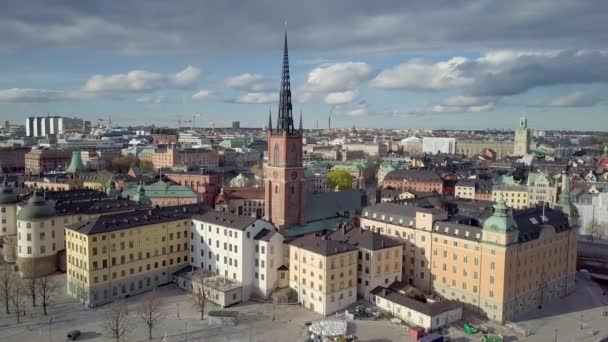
(7, 281)
(46, 288)
(116, 321)
(31, 284)
(150, 311)
(19, 297)
(200, 294)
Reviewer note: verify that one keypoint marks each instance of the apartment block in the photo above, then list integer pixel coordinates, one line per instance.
(243, 249)
(501, 266)
(323, 272)
(119, 255)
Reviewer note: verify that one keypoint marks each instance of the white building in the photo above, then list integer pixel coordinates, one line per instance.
(435, 145)
(432, 315)
(244, 249)
(592, 210)
(42, 126)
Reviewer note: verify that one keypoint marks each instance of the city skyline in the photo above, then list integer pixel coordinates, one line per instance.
(461, 65)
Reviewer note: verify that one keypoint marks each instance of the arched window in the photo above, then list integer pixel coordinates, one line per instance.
(276, 189)
(276, 157)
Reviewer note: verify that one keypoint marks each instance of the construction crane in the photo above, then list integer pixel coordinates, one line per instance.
(194, 116)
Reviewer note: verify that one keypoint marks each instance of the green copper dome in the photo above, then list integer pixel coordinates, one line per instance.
(500, 221)
(76, 164)
(37, 207)
(7, 194)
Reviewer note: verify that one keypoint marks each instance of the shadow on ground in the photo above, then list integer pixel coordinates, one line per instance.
(88, 335)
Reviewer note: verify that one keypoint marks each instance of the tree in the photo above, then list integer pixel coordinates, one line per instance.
(200, 294)
(122, 164)
(46, 289)
(31, 283)
(150, 311)
(7, 281)
(116, 321)
(146, 166)
(257, 170)
(340, 179)
(18, 297)
(593, 229)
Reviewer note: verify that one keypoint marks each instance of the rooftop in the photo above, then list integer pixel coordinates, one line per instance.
(225, 219)
(321, 244)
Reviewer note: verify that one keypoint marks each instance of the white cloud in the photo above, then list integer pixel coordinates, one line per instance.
(257, 98)
(338, 77)
(248, 82)
(188, 77)
(464, 104)
(31, 95)
(137, 81)
(340, 98)
(418, 74)
(151, 99)
(204, 94)
(361, 111)
(575, 99)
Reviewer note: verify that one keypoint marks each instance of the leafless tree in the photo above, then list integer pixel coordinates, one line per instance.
(116, 321)
(7, 281)
(150, 311)
(19, 297)
(31, 284)
(200, 294)
(46, 289)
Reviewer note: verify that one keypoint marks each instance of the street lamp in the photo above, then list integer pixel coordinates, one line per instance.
(186, 331)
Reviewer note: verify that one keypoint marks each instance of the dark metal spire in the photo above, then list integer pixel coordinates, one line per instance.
(285, 108)
(301, 120)
(269, 120)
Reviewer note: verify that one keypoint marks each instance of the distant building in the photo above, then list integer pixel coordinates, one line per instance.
(542, 189)
(471, 148)
(173, 156)
(163, 194)
(412, 145)
(42, 160)
(515, 196)
(245, 201)
(414, 180)
(236, 124)
(206, 184)
(436, 145)
(42, 126)
(12, 159)
(369, 149)
(522, 138)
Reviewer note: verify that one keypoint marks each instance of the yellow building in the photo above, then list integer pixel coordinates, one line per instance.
(323, 272)
(515, 196)
(512, 264)
(119, 255)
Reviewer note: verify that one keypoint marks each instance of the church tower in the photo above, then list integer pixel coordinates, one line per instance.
(522, 138)
(283, 173)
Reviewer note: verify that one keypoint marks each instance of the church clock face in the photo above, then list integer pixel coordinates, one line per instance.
(294, 174)
(275, 174)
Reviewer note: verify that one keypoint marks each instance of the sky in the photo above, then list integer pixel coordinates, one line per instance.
(390, 64)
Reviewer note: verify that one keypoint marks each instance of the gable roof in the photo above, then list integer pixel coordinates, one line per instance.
(321, 245)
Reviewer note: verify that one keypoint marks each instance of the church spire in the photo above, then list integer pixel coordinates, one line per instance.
(285, 108)
(301, 129)
(269, 128)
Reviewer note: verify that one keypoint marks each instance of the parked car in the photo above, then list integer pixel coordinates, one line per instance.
(73, 335)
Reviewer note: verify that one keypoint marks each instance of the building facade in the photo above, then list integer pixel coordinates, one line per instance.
(542, 189)
(242, 249)
(285, 185)
(436, 145)
(471, 148)
(522, 138)
(515, 196)
(510, 265)
(115, 256)
(42, 160)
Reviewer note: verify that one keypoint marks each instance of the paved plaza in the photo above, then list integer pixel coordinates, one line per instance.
(579, 317)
